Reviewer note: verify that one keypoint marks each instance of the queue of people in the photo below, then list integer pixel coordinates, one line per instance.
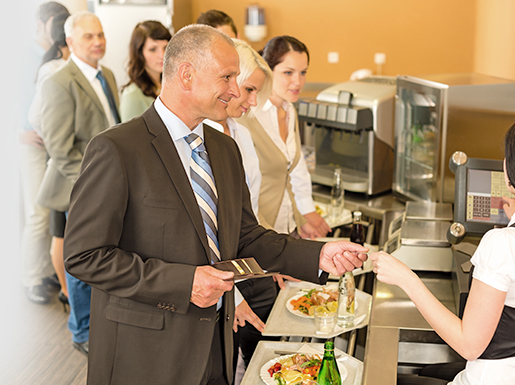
(199, 161)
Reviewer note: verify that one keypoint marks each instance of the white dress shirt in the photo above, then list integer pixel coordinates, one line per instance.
(91, 74)
(300, 177)
(243, 138)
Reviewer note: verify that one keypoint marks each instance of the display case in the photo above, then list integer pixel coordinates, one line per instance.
(437, 115)
(420, 121)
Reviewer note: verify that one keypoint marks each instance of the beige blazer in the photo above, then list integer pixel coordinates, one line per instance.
(274, 172)
(71, 114)
(136, 235)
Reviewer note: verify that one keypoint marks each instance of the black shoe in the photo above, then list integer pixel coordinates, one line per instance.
(82, 347)
(52, 283)
(37, 294)
(64, 300)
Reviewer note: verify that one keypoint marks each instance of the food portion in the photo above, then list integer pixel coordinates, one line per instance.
(296, 368)
(320, 296)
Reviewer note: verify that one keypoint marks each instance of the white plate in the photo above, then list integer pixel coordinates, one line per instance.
(265, 376)
(289, 306)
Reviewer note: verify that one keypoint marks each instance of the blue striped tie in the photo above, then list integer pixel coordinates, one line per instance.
(205, 191)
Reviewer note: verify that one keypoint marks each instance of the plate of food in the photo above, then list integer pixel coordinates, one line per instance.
(304, 302)
(292, 369)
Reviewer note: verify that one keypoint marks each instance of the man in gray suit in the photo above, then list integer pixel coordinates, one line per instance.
(80, 100)
(137, 233)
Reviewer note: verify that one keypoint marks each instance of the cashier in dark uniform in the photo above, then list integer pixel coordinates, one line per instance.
(486, 335)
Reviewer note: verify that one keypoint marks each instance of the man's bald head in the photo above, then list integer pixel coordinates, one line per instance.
(192, 44)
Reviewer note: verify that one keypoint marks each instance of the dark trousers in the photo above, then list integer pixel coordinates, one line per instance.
(260, 294)
(214, 374)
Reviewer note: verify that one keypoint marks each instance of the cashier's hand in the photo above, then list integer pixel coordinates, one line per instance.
(509, 206)
(209, 284)
(317, 228)
(390, 270)
(339, 257)
(243, 313)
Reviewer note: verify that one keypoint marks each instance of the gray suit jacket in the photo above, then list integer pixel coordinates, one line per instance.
(136, 235)
(71, 114)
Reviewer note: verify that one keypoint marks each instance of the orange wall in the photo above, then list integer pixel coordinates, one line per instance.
(495, 38)
(418, 37)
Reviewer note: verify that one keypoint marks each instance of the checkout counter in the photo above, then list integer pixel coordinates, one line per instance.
(352, 126)
(399, 340)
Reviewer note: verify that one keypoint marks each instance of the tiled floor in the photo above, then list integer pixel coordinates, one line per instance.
(35, 347)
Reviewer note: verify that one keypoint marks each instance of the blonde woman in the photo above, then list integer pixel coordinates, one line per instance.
(255, 82)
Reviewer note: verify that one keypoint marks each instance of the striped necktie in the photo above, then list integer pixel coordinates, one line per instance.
(109, 96)
(204, 187)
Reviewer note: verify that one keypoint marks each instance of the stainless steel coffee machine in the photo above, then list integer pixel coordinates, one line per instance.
(351, 126)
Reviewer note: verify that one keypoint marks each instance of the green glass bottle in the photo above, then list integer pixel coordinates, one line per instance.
(329, 373)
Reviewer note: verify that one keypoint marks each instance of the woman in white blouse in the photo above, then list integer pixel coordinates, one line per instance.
(285, 200)
(485, 336)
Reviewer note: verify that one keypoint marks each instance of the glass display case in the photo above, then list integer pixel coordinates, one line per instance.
(419, 112)
(440, 114)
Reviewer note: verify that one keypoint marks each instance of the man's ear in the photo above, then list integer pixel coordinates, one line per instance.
(185, 74)
(69, 42)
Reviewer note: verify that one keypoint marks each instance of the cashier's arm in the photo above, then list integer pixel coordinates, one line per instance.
(470, 336)
(339, 257)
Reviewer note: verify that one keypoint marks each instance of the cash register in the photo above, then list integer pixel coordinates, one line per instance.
(478, 207)
(478, 191)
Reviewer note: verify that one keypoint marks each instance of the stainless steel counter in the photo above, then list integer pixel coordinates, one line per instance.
(393, 313)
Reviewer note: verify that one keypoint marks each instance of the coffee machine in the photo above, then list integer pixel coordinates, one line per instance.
(351, 126)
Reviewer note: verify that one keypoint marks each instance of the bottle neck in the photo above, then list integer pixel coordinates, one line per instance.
(329, 353)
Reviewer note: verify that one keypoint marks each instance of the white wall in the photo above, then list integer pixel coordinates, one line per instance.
(118, 22)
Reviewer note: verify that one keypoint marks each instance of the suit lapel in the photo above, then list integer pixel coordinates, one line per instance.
(166, 150)
(85, 85)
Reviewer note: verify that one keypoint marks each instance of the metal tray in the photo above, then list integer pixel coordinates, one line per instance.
(281, 322)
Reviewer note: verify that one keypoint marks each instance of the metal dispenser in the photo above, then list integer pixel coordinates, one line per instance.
(353, 124)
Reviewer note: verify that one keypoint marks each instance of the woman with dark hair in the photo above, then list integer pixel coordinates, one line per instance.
(285, 199)
(52, 60)
(485, 336)
(146, 51)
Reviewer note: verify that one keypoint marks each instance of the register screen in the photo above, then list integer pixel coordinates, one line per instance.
(485, 190)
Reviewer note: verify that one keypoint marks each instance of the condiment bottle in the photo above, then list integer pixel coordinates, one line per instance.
(346, 300)
(337, 195)
(357, 233)
(329, 373)
(347, 284)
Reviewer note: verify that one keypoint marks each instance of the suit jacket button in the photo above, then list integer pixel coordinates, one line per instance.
(228, 317)
(173, 308)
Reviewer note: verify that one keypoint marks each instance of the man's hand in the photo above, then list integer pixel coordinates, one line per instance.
(209, 284)
(279, 278)
(243, 313)
(31, 138)
(339, 257)
(320, 226)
